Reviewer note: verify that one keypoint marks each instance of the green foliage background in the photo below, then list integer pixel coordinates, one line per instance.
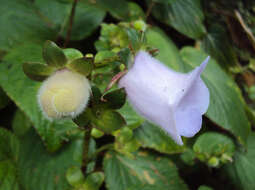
(125, 152)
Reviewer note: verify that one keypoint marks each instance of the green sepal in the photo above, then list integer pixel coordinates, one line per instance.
(37, 71)
(75, 176)
(210, 147)
(53, 55)
(108, 120)
(93, 181)
(82, 65)
(72, 54)
(115, 99)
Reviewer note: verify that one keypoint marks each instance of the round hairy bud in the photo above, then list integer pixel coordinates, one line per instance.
(64, 94)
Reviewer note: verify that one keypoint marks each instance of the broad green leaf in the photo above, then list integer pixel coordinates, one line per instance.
(8, 176)
(135, 12)
(186, 16)
(9, 146)
(87, 17)
(37, 71)
(118, 9)
(217, 44)
(212, 145)
(168, 52)
(41, 170)
(75, 176)
(151, 136)
(93, 181)
(20, 123)
(226, 103)
(242, 171)
(19, 22)
(144, 169)
(23, 92)
(53, 55)
(9, 152)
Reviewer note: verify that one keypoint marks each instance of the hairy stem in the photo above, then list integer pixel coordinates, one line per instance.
(86, 140)
(70, 25)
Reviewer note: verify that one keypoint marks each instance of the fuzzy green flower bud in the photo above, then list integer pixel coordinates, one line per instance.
(64, 94)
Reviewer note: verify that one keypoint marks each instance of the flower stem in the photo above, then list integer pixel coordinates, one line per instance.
(70, 25)
(86, 141)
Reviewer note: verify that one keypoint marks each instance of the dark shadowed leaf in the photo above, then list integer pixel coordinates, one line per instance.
(186, 16)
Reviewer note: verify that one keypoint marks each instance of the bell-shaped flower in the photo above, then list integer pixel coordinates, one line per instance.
(64, 94)
(174, 101)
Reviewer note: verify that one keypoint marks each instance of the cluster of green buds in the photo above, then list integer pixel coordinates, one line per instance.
(214, 149)
(78, 181)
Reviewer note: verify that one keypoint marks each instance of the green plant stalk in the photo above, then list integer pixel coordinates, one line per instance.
(71, 18)
(85, 148)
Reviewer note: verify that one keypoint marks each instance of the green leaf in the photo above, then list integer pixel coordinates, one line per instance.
(217, 44)
(19, 22)
(93, 181)
(82, 65)
(135, 12)
(9, 146)
(53, 55)
(144, 169)
(8, 176)
(75, 176)
(37, 71)
(9, 153)
(131, 117)
(118, 9)
(212, 146)
(151, 136)
(242, 171)
(20, 123)
(41, 170)
(115, 99)
(108, 121)
(87, 17)
(72, 54)
(186, 16)
(226, 103)
(104, 57)
(203, 187)
(168, 52)
(23, 92)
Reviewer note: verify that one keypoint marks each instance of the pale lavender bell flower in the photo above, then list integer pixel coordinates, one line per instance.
(174, 101)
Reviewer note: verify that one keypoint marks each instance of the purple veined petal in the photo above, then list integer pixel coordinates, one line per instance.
(188, 121)
(174, 101)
